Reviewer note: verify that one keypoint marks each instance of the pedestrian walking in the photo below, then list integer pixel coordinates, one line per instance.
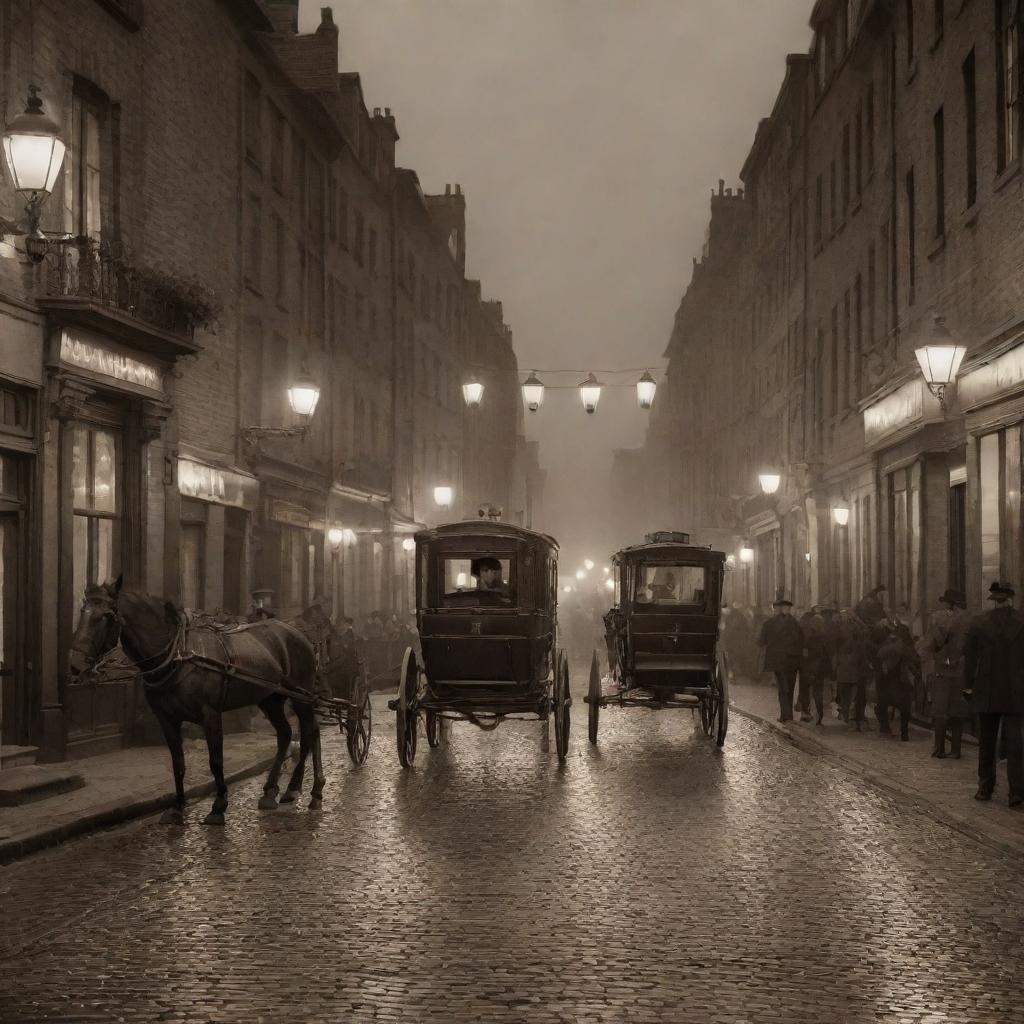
(783, 643)
(945, 642)
(852, 667)
(994, 677)
(895, 681)
(814, 666)
(869, 608)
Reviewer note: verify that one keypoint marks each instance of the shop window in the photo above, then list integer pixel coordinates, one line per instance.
(958, 536)
(297, 555)
(95, 485)
(989, 488)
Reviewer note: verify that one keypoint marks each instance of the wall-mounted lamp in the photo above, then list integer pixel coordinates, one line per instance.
(940, 358)
(840, 512)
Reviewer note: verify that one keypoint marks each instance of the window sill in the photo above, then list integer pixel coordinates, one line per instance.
(1007, 174)
(911, 72)
(938, 244)
(970, 215)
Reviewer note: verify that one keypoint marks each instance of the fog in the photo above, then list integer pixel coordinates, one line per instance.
(587, 136)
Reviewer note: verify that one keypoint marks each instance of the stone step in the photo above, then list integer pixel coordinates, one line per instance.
(24, 784)
(12, 756)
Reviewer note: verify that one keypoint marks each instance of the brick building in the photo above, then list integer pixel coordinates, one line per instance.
(883, 191)
(231, 221)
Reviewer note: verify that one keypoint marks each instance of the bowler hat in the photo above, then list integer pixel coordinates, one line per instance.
(954, 598)
(1000, 591)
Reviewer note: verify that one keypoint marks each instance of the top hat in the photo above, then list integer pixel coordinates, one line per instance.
(954, 598)
(1000, 591)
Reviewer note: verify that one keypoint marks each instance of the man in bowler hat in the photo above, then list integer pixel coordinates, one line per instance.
(783, 643)
(994, 678)
(946, 640)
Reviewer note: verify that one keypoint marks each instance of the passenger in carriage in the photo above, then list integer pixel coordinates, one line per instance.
(489, 576)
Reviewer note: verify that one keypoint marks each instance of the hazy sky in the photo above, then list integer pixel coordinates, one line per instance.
(587, 136)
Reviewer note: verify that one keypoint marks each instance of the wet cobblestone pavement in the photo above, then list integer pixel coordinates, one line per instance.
(652, 879)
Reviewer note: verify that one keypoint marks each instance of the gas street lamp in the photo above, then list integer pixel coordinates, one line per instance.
(588, 564)
(408, 544)
(940, 358)
(303, 395)
(840, 512)
(533, 392)
(769, 481)
(473, 392)
(746, 554)
(590, 392)
(443, 496)
(645, 388)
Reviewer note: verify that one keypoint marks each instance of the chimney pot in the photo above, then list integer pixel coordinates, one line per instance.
(728, 191)
(448, 190)
(721, 186)
(376, 111)
(387, 111)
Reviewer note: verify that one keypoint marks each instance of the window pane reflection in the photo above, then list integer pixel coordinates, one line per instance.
(104, 477)
(989, 478)
(80, 467)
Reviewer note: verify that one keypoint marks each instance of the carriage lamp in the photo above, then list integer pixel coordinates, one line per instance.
(408, 544)
(588, 564)
(769, 481)
(533, 392)
(645, 388)
(443, 496)
(590, 392)
(940, 358)
(746, 554)
(473, 392)
(34, 151)
(840, 513)
(335, 535)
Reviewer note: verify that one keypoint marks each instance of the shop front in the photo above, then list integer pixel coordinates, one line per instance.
(362, 562)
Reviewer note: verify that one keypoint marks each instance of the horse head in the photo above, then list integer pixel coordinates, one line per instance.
(99, 626)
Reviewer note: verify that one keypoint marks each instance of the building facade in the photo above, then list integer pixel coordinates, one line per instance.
(229, 221)
(882, 192)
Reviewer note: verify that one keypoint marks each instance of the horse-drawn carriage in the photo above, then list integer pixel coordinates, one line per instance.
(662, 634)
(486, 596)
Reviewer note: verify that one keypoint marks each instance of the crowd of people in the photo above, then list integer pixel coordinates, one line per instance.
(966, 671)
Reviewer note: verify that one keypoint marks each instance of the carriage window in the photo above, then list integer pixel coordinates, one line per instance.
(479, 582)
(671, 585)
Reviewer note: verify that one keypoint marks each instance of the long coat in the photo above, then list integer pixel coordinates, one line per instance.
(895, 681)
(783, 643)
(946, 641)
(851, 653)
(994, 661)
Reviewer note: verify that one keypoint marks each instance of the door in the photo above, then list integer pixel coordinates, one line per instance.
(234, 560)
(15, 711)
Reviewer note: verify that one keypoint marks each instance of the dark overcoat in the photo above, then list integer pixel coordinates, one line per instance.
(994, 661)
(783, 643)
(946, 640)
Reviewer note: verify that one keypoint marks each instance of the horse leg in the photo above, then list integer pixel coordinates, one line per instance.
(172, 734)
(273, 708)
(307, 724)
(213, 726)
(316, 796)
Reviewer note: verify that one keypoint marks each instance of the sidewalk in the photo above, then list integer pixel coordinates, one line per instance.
(124, 785)
(945, 786)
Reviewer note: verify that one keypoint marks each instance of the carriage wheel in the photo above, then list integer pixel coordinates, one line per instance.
(707, 713)
(562, 702)
(723, 707)
(407, 717)
(594, 699)
(359, 721)
(435, 729)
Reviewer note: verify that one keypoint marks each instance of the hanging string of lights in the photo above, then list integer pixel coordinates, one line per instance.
(590, 388)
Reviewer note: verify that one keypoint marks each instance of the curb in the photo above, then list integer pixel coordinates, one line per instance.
(116, 814)
(905, 794)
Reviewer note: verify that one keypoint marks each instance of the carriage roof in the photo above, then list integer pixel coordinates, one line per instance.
(478, 531)
(665, 546)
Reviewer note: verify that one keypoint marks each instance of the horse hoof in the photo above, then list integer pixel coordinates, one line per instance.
(315, 804)
(267, 803)
(172, 816)
(214, 818)
(290, 796)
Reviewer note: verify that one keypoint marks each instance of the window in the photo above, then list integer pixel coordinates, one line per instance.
(253, 118)
(847, 353)
(872, 322)
(989, 487)
(833, 199)
(911, 236)
(939, 10)
(834, 390)
(1007, 82)
(299, 175)
(908, 6)
(254, 243)
(670, 585)
(193, 554)
(478, 582)
(300, 284)
(957, 540)
(858, 340)
(280, 270)
(371, 256)
(869, 126)
(971, 127)
(343, 217)
(95, 485)
(297, 561)
(858, 155)
(83, 162)
(276, 148)
(819, 201)
(332, 209)
(940, 173)
(316, 200)
(357, 241)
(846, 169)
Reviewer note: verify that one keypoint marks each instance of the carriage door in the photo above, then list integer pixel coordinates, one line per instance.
(14, 710)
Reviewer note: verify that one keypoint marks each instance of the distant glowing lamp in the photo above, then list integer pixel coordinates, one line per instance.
(746, 554)
(473, 393)
(588, 564)
(807, 556)
(606, 570)
(443, 496)
(840, 513)
(567, 589)
(408, 544)
(303, 395)
(335, 535)
(940, 359)
(769, 481)
(645, 388)
(533, 392)
(580, 574)
(590, 392)
(609, 584)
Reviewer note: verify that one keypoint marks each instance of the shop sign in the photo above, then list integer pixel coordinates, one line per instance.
(76, 350)
(900, 409)
(209, 483)
(993, 380)
(289, 514)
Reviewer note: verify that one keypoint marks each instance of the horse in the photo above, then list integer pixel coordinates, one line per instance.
(189, 675)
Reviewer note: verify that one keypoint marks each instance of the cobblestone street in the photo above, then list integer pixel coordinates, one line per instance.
(652, 879)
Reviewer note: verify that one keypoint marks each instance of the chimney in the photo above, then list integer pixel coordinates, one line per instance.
(721, 186)
(285, 15)
(447, 190)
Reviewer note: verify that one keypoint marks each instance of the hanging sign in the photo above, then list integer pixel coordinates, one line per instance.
(87, 354)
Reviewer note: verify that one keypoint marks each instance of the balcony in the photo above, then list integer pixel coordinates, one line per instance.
(96, 285)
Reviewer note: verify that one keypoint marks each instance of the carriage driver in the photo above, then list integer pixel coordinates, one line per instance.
(488, 573)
